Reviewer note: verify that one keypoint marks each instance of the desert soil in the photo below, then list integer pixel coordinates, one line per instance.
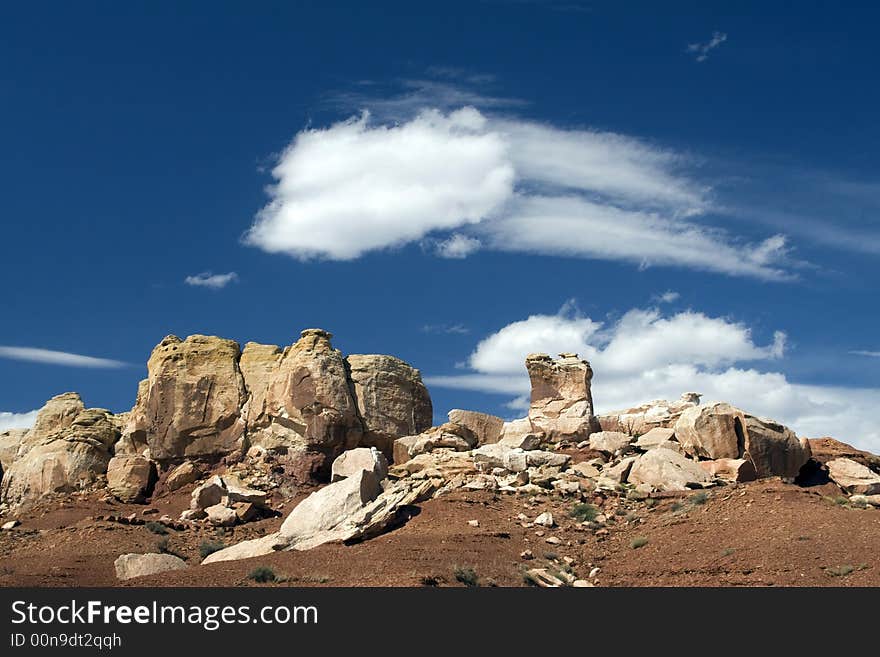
(764, 533)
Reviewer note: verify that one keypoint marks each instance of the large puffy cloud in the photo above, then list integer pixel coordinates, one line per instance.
(646, 355)
(466, 181)
(354, 188)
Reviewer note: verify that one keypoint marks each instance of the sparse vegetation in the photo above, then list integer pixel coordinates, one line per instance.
(698, 499)
(675, 507)
(551, 556)
(210, 547)
(466, 576)
(726, 552)
(164, 548)
(429, 580)
(529, 580)
(637, 542)
(262, 575)
(584, 512)
(843, 571)
(156, 528)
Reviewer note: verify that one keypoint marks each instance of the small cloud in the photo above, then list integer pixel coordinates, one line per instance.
(49, 357)
(449, 329)
(702, 50)
(670, 296)
(457, 247)
(869, 354)
(212, 281)
(17, 420)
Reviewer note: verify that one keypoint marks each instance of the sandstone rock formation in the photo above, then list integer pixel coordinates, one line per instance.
(130, 478)
(774, 449)
(190, 404)
(712, 431)
(205, 398)
(485, 428)
(641, 419)
(854, 477)
(448, 435)
(561, 401)
(666, 470)
(391, 399)
(69, 459)
(721, 431)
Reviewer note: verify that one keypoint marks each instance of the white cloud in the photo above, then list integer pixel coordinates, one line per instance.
(458, 247)
(212, 281)
(670, 296)
(463, 181)
(646, 355)
(49, 357)
(456, 329)
(701, 50)
(863, 352)
(574, 226)
(354, 188)
(17, 420)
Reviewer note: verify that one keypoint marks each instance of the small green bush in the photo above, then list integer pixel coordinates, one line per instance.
(210, 547)
(637, 542)
(584, 512)
(698, 499)
(262, 575)
(156, 528)
(466, 576)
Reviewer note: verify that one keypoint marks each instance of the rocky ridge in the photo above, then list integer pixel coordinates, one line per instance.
(268, 420)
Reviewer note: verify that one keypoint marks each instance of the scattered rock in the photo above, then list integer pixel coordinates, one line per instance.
(712, 431)
(545, 520)
(7, 526)
(655, 437)
(185, 473)
(854, 477)
(485, 428)
(609, 442)
(361, 458)
(519, 434)
(666, 470)
(137, 565)
(130, 478)
(330, 506)
(736, 470)
(474, 523)
(221, 515)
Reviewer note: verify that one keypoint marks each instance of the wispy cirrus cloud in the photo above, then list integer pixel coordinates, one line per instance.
(869, 354)
(455, 329)
(211, 281)
(465, 180)
(701, 50)
(64, 358)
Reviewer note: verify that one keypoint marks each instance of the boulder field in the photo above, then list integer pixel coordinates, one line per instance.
(246, 429)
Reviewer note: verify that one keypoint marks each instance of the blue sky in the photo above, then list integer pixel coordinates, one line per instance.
(685, 194)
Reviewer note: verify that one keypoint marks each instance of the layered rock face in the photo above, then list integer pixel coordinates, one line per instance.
(190, 404)
(561, 402)
(721, 431)
(70, 458)
(300, 400)
(206, 398)
(391, 399)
